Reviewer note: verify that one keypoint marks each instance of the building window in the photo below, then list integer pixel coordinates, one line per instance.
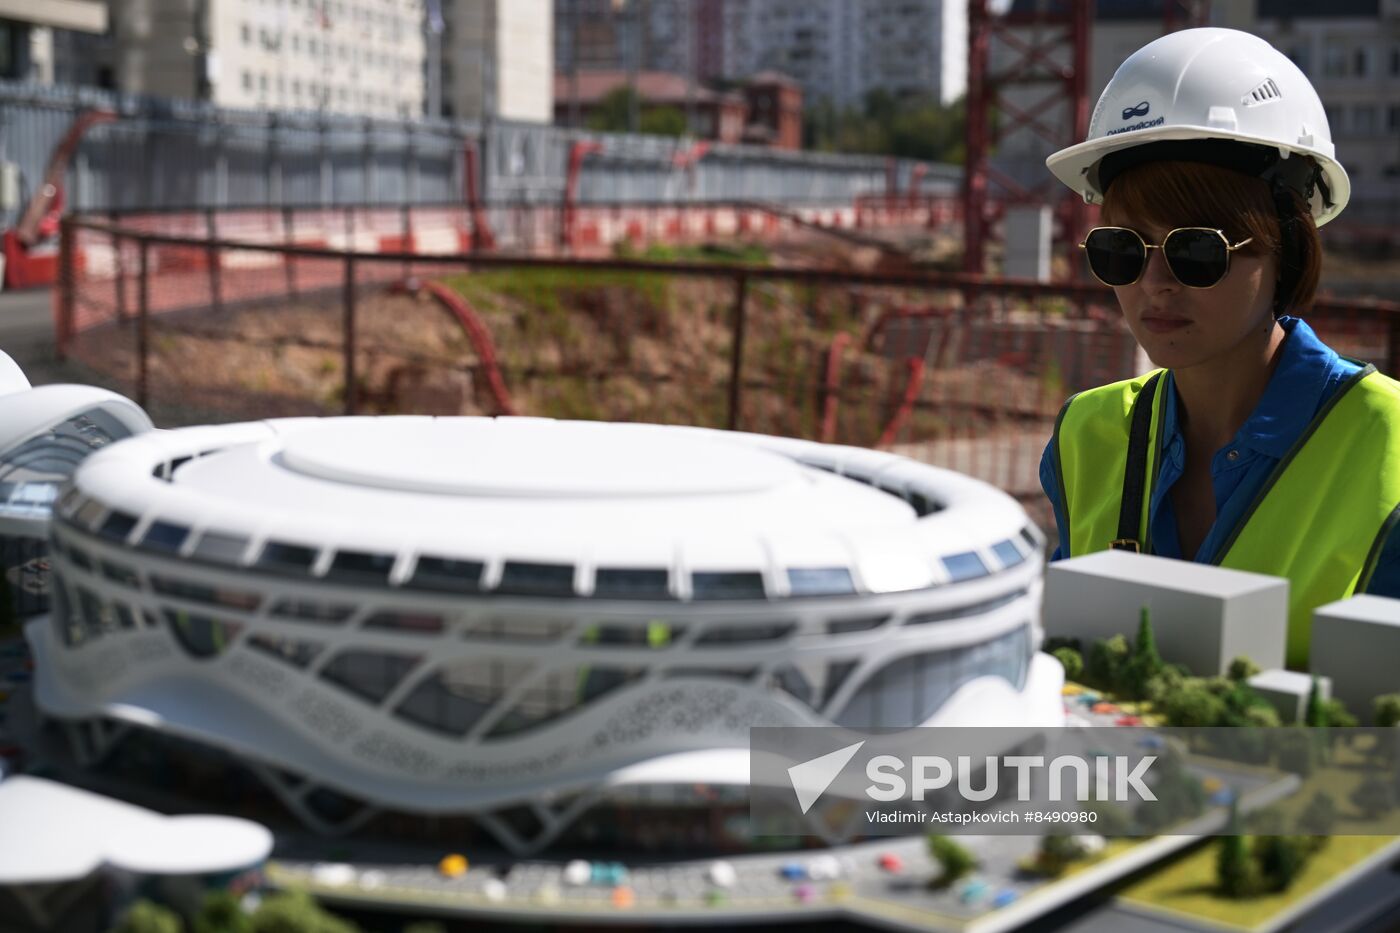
(247, 34)
(1334, 64)
(1361, 62)
(1363, 119)
(247, 81)
(1392, 118)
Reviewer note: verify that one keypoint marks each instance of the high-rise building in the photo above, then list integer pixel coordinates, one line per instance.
(340, 56)
(497, 59)
(837, 50)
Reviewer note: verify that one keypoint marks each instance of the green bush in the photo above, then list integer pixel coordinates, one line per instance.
(1298, 751)
(1073, 663)
(1242, 668)
(953, 859)
(1373, 797)
(1192, 706)
(1164, 684)
(1386, 710)
(1105, 662)
(149, 917)
(222, 913)
(1236, 874)
(1280, 859)
(296, 912)
(1335, 713)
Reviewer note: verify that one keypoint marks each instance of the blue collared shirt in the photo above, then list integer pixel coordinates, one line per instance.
(1308, 374)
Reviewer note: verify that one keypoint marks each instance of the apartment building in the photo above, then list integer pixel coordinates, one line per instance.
(498, 59)
(335, 56)
(837, 50)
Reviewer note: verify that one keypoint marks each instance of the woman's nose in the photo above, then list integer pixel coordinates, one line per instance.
(1156, 275)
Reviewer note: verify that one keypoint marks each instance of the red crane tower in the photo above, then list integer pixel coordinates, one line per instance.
(1046, 55)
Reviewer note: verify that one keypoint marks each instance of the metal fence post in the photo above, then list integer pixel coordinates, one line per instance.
(349, 335)
(66, 287)
(212, 252)
(143, 328)
(736, 360)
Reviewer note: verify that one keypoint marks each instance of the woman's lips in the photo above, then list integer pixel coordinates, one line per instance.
(1164, 325)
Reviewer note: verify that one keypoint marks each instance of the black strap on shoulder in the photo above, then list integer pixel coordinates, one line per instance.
(1135, 471)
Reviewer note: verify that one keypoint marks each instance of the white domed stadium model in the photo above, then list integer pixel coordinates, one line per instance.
(475, 617)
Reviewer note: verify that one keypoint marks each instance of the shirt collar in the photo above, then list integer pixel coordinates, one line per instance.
(1293, 394)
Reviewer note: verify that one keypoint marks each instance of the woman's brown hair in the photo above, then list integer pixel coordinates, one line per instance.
(1195, 194)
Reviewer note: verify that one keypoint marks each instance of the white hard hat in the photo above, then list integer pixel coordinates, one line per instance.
(1195, 95)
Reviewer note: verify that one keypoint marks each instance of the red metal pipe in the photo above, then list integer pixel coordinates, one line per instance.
(906, 404)
(480, 337)
(482, 237)
(577, 153)
(831, 384)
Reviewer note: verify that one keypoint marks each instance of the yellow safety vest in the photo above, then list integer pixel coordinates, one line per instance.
(1319, 520)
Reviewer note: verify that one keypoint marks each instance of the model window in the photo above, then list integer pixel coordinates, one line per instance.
(559, 693)
(846, 626)
(527, 579)
(655, 634)
(909, 690)
(964, 566)
(456, 696)
(89, 513)
(205, 593)
(305, 611)
(120, 573)
(290, 651)
(827, 581)
(117, 526)
(279, 557)
(726, 585)
(201, 636)
(1008, 553)
(416, 622)
(446, 575)
(164, 536)
(371, 675)
(623, 583)
(724, 635)
(813, 684)
(221, 548)
(361, 567)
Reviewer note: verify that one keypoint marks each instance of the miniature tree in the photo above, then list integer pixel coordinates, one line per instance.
(1313, 714)
(1242, 668)
(953, 859)
(222, 913)
(1335, 713)
(1056, 851)
(1072, 662)
(1235, 873)
(149, 917)
(1105, 662)
(1297, 751)
(1144, 663)
(296, 912)
(1280, 859)
(1194, 706)
(1386, 710)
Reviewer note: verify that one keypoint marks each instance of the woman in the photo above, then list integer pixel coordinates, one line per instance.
(1255, 446)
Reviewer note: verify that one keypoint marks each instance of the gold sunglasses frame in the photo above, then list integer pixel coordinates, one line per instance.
(1147, 246)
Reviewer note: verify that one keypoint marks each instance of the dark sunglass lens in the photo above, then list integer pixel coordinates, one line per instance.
(1197, 258)
(1116, 256)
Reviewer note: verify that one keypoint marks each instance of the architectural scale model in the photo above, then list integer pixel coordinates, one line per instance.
(524, 622)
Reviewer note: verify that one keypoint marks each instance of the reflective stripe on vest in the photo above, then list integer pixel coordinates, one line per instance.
(1319, 520)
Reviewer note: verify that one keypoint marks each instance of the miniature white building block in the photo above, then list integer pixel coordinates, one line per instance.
(1356, 642)
(1287, 691)
(1202, 616)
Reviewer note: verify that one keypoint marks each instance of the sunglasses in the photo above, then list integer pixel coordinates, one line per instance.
(1198, 257)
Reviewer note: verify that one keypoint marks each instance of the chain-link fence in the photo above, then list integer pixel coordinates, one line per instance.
(255, 322)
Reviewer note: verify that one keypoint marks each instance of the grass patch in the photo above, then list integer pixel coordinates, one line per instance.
(1187, 885)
